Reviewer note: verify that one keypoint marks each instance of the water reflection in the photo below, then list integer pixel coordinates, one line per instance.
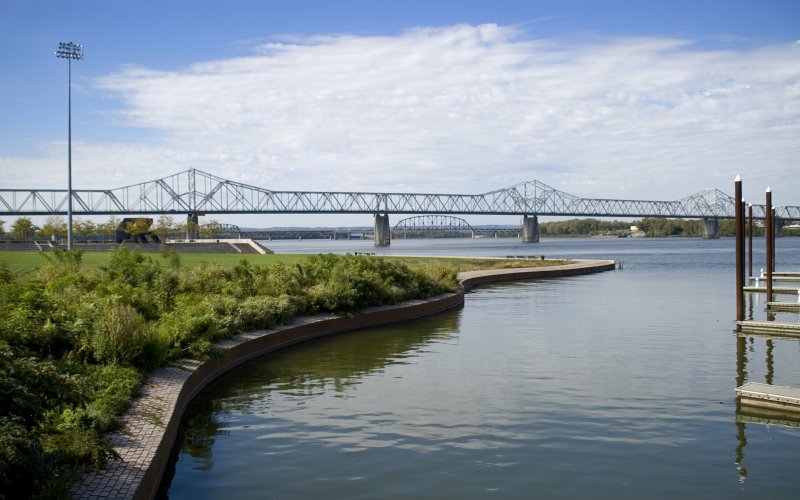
(302, 372)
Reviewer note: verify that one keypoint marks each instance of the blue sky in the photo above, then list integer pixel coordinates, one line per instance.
(611, 99)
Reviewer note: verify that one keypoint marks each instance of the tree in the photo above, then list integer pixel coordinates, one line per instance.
(2, 227)
(164, 226)
(109, 227)
(54, 226)
(84, 227)
(209, 229)
(23, 228)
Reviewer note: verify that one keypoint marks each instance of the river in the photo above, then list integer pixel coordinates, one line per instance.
(612, 385)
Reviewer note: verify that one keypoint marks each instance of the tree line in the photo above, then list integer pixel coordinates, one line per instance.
(55, 226)
(654, 227)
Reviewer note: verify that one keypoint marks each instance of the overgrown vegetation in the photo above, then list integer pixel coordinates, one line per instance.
(76, 341)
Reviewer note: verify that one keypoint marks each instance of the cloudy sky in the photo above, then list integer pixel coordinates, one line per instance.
(601, 99)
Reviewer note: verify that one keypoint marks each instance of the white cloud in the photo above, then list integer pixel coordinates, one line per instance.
(464, 109)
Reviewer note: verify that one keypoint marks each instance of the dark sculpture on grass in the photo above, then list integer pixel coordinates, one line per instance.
(136, 230)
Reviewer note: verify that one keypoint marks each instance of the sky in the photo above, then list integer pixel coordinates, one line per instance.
(624, 99)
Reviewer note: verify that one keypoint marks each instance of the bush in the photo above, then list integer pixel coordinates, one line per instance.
(74, 341)
(21, 458)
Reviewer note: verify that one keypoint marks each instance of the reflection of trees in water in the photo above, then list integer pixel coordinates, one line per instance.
(196, 436)
(200, 430)
(337, 362)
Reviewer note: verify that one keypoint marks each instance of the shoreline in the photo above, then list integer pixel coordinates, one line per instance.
(149, 427)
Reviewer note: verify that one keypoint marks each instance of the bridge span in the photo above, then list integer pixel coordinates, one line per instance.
(196, 193)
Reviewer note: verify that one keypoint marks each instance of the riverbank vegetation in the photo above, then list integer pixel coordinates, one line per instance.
(651, 227)
(76, 341)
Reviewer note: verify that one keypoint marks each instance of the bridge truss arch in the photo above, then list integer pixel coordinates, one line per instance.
(434, 222)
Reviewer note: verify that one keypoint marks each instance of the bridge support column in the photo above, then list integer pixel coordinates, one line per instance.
(192, 226)
(778, 227)
(710, 228)
(530, 229)
(382, 232)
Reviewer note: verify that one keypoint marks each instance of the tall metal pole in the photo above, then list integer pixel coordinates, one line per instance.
(69, 51)
(739, 248)
(768, 234)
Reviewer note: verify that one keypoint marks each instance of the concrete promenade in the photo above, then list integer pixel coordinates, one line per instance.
(149, 427)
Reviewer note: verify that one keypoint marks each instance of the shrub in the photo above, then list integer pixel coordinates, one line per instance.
(119, 334)
(263, 312)
(110, 389)
(21, 457)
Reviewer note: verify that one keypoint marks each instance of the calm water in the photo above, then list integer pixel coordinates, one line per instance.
(613, 385)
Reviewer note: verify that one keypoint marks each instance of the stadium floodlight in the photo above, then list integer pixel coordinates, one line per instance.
(69, 51)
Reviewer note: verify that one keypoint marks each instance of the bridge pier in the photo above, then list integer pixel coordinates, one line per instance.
(192, 225)
(382, 233)
(710, 228)
(778, 227)
(530, 229)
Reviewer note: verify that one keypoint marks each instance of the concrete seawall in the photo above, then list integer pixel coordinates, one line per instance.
(150, 426)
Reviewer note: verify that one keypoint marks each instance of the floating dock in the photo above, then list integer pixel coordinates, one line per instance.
(784, 306)
(775, 398)
(774, 278)
(775, 289)
(776, 328)
(788, 274)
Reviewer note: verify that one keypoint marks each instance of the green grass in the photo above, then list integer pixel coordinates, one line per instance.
(462, 264)
(25, 262)
(28, 261)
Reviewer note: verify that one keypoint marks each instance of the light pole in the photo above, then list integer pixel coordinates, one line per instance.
(69, 51)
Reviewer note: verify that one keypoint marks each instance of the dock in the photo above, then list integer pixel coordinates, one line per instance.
(773, 328)
(774, 278)
(769, 397)
(775, 289)
(784, 306)
(789, 274)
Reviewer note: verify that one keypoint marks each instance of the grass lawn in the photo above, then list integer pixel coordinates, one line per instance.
(28, 261)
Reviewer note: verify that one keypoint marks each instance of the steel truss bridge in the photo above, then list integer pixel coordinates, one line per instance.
(433, 223)
(194, 192)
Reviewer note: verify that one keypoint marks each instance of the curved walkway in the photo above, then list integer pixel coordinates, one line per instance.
(150, 426)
